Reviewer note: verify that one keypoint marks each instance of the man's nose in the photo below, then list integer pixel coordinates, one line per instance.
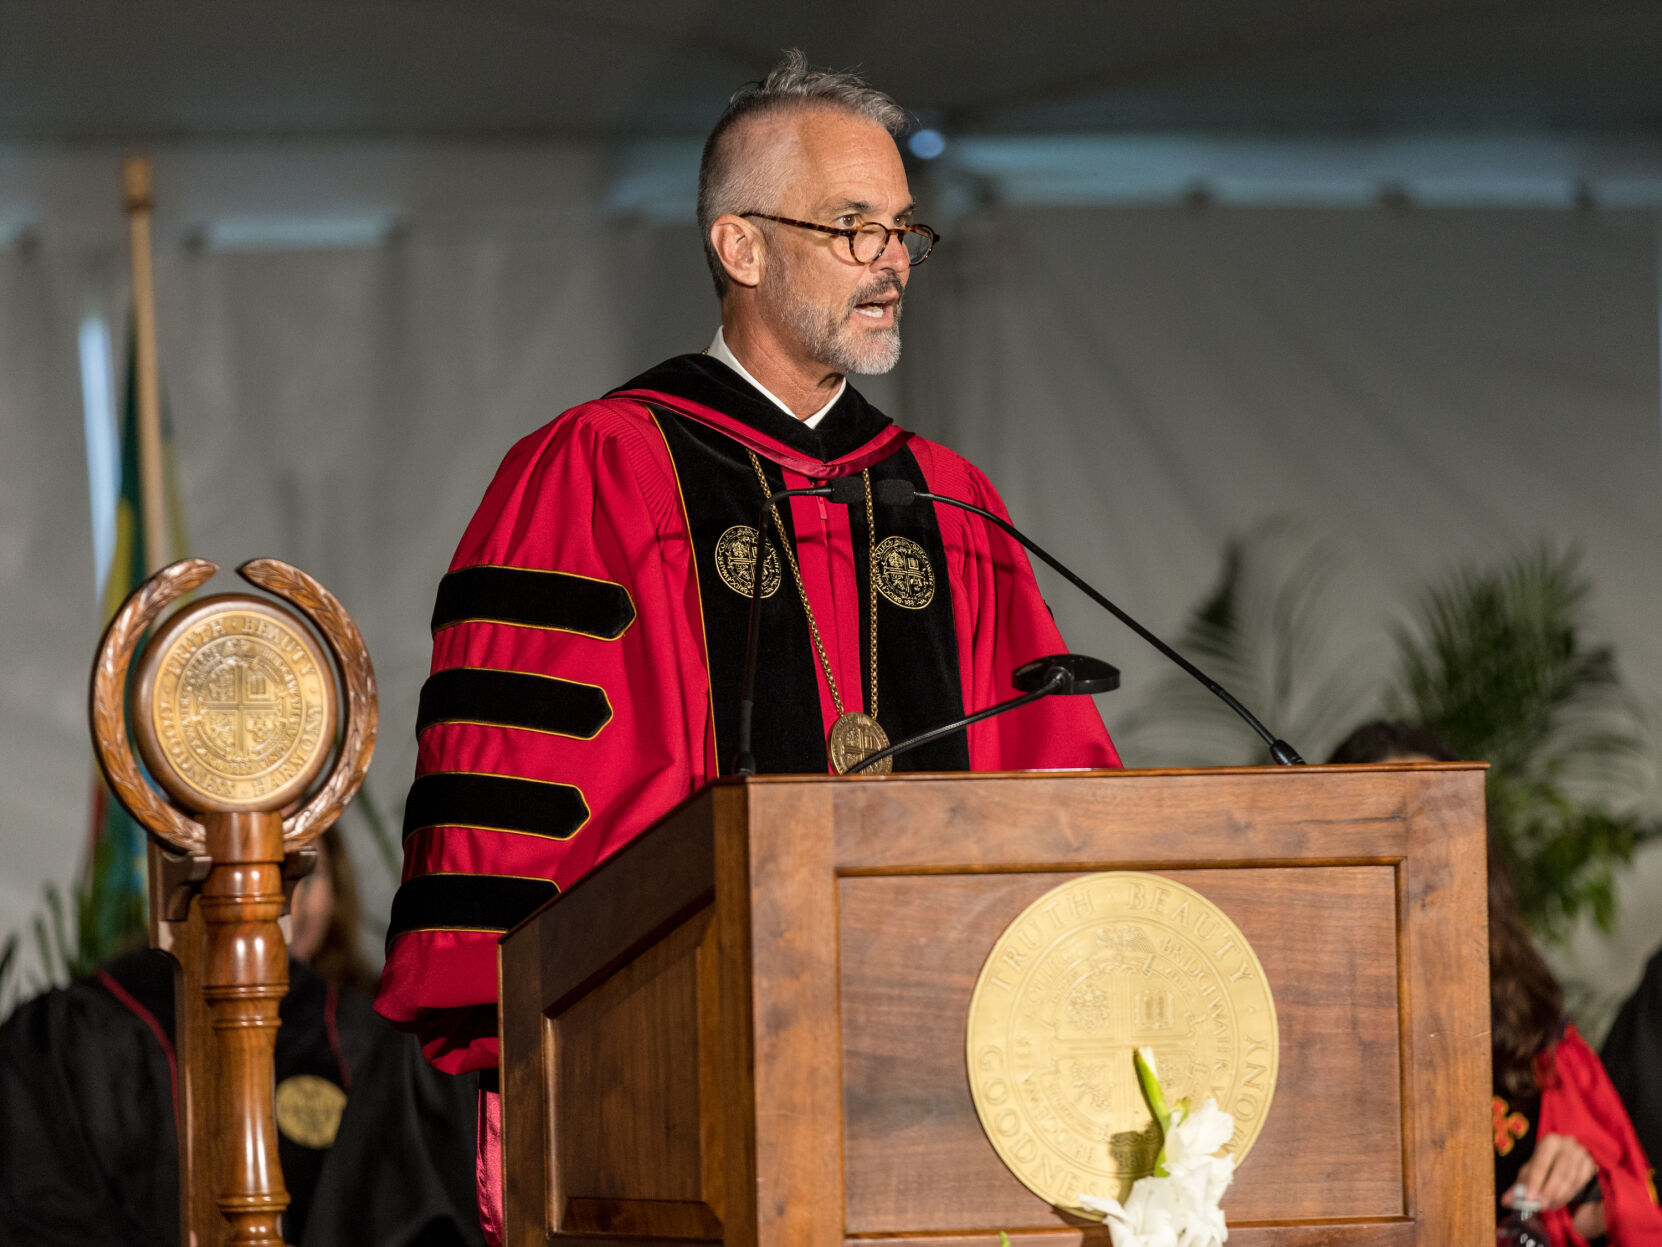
(894, 254)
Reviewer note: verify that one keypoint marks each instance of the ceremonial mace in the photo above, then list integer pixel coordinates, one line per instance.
(236, 710)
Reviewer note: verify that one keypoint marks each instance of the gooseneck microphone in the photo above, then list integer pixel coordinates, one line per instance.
(900, 493)
(1076, 674)
(843, 490)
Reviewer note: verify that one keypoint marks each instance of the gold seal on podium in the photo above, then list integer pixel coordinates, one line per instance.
(1088, 973)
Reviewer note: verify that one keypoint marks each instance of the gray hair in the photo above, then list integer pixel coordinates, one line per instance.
(727, 182)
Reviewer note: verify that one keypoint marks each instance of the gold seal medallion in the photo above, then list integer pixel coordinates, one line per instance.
(901, 569)
(235, 705)
(736, 562)
(309, 1109)
(1088, 973)
(854, 738)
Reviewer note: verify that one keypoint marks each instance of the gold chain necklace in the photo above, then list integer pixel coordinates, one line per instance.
(855, 736)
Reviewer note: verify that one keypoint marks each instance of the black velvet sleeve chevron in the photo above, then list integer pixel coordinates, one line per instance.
(533, 599)
(465, 903)
(495, 803)
(513, 699)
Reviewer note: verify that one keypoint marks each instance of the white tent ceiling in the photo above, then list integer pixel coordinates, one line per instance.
(74, 71)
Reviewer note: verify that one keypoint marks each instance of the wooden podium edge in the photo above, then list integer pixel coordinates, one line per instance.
(1436, 883)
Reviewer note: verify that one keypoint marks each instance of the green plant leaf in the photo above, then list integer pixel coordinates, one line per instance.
(387, 845)
(1265, 631)
(1497, 662)
(8, 962)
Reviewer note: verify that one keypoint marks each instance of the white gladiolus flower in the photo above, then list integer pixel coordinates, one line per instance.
(1197, 1134)
(1191, 1153)
(1181, 1209)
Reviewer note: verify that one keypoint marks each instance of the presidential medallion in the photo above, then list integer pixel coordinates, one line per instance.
(736, 562)
(854, 738)
(234, 705)
(1088, 973)
(902, 572)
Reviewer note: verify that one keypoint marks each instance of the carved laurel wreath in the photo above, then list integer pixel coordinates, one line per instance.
(115, 658)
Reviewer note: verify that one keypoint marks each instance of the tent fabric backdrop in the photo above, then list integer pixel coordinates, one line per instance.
(1417, 388)
(48, 606)
(1142, 383)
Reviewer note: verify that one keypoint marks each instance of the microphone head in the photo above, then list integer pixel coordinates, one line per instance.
(894, 492)
(1080, 673)
(847, 490)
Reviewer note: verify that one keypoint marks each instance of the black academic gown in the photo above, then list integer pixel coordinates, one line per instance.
(89, 1145)
(1632, 1056)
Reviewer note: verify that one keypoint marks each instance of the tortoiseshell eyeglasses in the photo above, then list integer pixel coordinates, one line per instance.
(870, 240)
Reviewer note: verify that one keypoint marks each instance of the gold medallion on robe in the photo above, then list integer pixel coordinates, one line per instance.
(736, 562)
(234, 704)
(903, 574)
(1088, 973)
(855, 736)
(309, 1110)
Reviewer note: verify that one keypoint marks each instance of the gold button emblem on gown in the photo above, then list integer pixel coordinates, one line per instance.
(903, 573)
(736, 562)
(309, 1110)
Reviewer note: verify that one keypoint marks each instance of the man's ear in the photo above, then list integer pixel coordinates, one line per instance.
(738, 245)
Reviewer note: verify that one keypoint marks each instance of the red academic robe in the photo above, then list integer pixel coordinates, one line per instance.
(1578, 1100)
(589, 636)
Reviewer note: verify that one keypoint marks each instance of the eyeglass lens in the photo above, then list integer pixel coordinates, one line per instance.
(870, 239)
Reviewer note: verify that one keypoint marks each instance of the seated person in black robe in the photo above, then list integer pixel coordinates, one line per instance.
(1632, 1055)
(376, 1147)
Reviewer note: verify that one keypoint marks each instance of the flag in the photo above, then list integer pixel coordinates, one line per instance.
(112, 902)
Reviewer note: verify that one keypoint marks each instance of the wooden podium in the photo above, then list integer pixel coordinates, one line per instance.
(748, 1026)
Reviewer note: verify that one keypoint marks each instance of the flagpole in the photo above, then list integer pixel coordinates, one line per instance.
(135, 177)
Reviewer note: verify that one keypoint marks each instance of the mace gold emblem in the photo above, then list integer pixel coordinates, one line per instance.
(234, 704)
(903, 573)
(1088, 973)
(736, 562)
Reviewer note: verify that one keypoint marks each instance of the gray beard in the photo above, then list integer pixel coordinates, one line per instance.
(830, 337)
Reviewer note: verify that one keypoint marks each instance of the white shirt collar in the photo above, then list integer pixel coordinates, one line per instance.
(720, 350)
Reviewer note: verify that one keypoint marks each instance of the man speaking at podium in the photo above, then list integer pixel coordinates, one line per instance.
(590, 635)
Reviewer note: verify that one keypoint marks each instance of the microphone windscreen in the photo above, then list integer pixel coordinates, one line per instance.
(847, 490)
(894, 493)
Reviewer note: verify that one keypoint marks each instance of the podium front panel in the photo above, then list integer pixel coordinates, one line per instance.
(749, 1026)
(916, 1158)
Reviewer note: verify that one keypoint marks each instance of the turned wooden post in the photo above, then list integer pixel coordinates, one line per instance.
(235, 707)
(245, 977)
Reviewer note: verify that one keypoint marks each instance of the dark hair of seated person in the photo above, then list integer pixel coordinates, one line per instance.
(338, 957)
(1526, 1003)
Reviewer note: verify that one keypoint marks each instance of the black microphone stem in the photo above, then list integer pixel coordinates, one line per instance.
(1280, 750)
(745, 761)
(959, 725)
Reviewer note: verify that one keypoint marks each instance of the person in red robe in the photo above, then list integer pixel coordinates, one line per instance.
(589, 638)
(1563, 1141)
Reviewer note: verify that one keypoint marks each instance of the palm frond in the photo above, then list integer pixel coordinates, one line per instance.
(1264, 631)
(387, 847)
(1497, 662)
(9, 992)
